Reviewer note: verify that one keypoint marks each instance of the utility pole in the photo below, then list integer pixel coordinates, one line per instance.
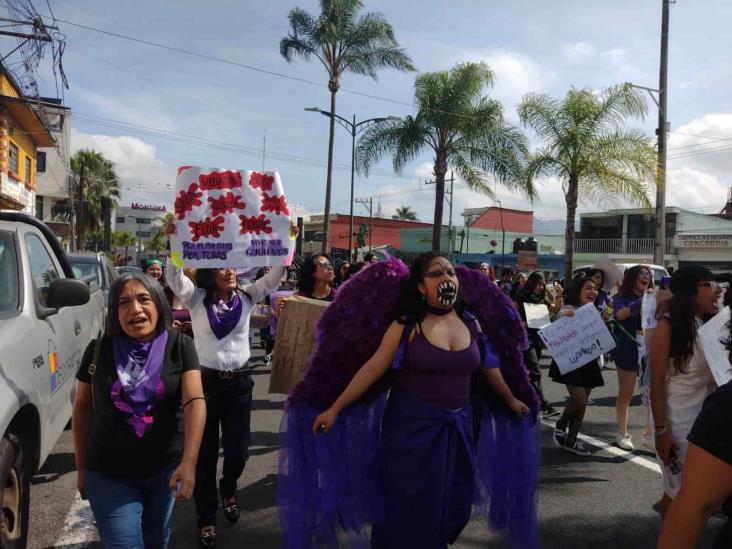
(370, 202)
(449, 229)
(80, 211)
(659, 248)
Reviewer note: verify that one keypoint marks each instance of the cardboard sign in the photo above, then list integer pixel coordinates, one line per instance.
(712, 337)
(295, 342)
(230, 219)
(537, 315)
(573, 341)
(527, 261)
(648, 311)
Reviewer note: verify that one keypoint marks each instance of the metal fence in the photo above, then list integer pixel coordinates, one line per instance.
(631, 246)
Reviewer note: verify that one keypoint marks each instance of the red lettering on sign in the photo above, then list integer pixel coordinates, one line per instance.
(254, 224)
(226, 203)
(207, 227)
(275, 204)
(261, 181)
(183, 168)
(220, 180)
(187, 199)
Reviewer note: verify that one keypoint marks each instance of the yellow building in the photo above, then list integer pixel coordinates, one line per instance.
(21, 132)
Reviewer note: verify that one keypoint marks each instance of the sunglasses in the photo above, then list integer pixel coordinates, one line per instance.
(710, 284)
(223, 270)
(325, 264)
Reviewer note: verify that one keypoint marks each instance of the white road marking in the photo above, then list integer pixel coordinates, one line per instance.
(79, 528)
(614, 450)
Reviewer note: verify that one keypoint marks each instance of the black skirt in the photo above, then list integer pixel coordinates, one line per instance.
(588, 376)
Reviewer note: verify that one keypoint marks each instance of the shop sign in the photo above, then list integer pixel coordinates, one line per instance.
(703, 241)
(137, 206)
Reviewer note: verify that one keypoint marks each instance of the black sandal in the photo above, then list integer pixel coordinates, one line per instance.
(207, 536)
(231, 510)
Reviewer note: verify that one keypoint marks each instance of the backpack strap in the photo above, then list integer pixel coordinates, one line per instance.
(92, 368)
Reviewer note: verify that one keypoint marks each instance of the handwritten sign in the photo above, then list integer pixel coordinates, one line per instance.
(295, 342)
(648, 311)
(537, 315)
(573, 341)
(229, 218)
(712, 337)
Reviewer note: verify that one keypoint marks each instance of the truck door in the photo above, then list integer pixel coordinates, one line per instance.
(61, 336)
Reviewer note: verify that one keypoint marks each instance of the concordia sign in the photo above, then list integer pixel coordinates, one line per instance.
(703, 241)
(137, 206)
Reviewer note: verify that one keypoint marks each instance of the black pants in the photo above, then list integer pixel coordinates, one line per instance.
(531, 361)
(228, 404)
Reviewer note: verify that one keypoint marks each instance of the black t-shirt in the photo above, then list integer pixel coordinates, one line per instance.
(713, 425)
(112, 446)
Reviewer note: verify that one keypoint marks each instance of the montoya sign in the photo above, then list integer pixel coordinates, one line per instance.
(137, 206)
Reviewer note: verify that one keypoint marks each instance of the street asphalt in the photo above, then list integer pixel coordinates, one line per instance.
(601, 501)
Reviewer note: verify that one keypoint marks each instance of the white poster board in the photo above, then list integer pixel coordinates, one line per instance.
(537, 315)
(648, 311)
(230, 218)
(711, 337)
(573, 341)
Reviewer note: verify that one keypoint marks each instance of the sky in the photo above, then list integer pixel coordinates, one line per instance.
(141, 105)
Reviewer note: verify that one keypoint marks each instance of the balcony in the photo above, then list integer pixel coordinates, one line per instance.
(609, 246)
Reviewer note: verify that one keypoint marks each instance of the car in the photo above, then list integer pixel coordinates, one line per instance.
(48, 317)
(102, 269)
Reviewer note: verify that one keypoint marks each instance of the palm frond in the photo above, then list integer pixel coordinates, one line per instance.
(404, 139)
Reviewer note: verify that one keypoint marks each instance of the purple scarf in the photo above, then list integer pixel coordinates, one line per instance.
(223, 317)
(138, 387)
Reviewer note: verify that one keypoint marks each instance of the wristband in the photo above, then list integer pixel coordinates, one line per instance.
(662, 432)
(191, 400)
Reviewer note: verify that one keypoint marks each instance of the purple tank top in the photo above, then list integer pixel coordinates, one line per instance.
(437, 376)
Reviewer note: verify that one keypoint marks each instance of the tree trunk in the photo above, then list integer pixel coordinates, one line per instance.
(440, 171)
(571, 196)
(333, 86)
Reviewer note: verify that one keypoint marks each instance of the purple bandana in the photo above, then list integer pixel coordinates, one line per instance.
(223, 317)
(138, 387)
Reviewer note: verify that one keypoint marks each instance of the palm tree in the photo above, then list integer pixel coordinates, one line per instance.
(96, 176)
(123, 239)
(463, 128)
(405, 213)
(587, 145)
(158, 242)
(343, 42)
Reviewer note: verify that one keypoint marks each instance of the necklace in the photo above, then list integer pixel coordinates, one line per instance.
(438, 311)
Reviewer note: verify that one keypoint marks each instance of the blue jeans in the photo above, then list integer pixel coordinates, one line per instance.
(131, 513)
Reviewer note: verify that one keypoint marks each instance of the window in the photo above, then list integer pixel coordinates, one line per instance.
(39, 206)
(119, 219)
(13, 166)
(144, 220)
(85, 269)
(8, 273)
(27, 174)
(143, 234)
(40, 161)
(43, 271)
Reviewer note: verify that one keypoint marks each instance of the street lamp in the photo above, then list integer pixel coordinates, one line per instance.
(659, 247)
(354, 128)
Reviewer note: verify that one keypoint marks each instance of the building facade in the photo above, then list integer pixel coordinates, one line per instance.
(143, 221)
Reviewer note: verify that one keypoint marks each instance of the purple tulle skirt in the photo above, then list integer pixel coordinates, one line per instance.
(415, 476)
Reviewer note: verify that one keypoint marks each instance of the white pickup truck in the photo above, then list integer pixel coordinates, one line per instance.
(47, 318)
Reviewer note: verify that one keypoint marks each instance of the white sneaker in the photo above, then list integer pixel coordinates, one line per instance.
(624, 442)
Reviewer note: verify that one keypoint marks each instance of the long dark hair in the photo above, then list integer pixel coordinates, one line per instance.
(572, 295)
(680, 311)
(157, 294)
(306, 276)
(627, 287)
(728, 303)
(413, 306)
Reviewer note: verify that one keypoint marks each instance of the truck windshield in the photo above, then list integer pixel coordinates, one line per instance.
(8, 273)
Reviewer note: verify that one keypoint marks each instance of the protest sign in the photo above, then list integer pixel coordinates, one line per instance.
(537, 315)
(228, 218)
(573, 341)
(274, 297)
(295, 342)
(648, 311)
(527, 261)
(712, 337)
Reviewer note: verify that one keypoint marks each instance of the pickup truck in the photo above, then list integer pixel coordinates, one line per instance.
(47, 319)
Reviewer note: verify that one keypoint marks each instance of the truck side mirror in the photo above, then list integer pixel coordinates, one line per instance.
(67, 292)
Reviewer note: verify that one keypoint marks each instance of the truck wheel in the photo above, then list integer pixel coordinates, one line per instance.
(14, 494)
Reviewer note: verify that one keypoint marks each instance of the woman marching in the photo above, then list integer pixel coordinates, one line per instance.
(579, 382)
(154, 269)
(680, 376)
(138, 418)
(220, 315)
(627, 311)
(425, 457)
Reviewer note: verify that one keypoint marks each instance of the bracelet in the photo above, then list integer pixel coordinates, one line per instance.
(191, 400)
(662, 432)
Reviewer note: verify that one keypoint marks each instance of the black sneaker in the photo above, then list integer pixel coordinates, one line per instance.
(578, 448)
(560, 437)
(231, 510)
(207, 536)
(550, 411)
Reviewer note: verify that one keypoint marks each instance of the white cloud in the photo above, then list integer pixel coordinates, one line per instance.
(144, 177)
(692, 189)
(578, 52)
(704, 144)
(616, 56)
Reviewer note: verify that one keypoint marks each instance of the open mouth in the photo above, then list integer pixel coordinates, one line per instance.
(137, 321)
(446, 293)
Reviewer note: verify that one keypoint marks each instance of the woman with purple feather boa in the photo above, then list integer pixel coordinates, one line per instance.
(458, 430)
